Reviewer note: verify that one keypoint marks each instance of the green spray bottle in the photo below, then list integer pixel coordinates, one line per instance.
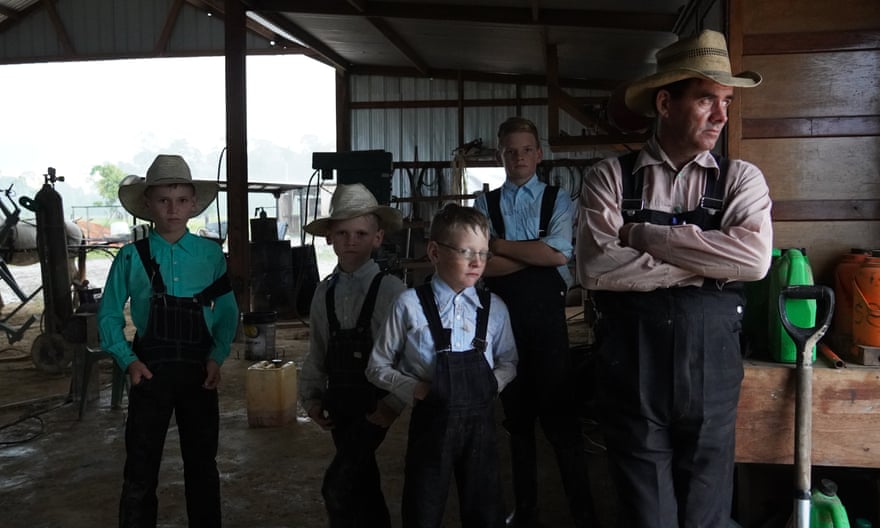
(826, 510)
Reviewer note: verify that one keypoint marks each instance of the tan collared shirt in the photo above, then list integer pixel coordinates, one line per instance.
(659, 256)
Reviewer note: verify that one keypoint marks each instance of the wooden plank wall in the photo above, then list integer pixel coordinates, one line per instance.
(813, 126)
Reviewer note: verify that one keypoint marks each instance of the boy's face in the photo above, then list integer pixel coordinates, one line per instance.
(171, 207)
(520, 153)
(456, 270)
(354, 240)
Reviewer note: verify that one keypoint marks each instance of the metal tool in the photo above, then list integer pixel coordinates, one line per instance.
(805, 339)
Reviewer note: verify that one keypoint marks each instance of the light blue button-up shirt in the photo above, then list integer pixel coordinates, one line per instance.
(521, 212)
(404, 355)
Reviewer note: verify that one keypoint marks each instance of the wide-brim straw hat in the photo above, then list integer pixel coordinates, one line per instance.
(701, 56)
(166, 169)
(351, 201)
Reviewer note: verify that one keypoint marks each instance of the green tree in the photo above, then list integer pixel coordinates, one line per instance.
(109, 177)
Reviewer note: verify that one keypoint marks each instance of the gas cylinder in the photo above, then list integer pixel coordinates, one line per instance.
(826, 510)
(866, 302)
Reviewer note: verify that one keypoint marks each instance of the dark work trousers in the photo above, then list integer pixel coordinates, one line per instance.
(176, 387)
(670, 378)
(352, 488)
(543, 389)
(451, 432)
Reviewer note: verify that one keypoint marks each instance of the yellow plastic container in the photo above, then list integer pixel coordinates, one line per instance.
(271, 393)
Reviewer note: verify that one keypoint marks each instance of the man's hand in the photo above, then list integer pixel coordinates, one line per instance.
(138, 371)
(383, 416)
(212, 379)
(421, 391)
(316, 413)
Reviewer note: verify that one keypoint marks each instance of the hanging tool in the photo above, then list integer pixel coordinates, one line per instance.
(805, 339)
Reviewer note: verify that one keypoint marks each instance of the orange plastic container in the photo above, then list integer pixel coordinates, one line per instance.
(866, 302)
(844, 277)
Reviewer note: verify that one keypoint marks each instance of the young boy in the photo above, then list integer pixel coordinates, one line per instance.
(185, 315)
(347, 310)
(448, 349)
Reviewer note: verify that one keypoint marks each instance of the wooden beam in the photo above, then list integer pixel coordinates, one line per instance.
(810, 42)
(299, 34)
(464, 12)
(168, 27)
(9, 12)
(480, 76)
(60, 30)
(825, 210)
(400, 43)
(448, 103)
(796, 127)
(575, 143)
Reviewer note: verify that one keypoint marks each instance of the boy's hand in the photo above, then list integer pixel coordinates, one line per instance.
(212, 379)
(383, 416)
(421, 391)
(138, 371)
(316, 413)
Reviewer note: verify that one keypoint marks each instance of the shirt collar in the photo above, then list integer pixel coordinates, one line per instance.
(363, 275)
(533, 186)
(443, 294)
(186, 242)
(653, 154)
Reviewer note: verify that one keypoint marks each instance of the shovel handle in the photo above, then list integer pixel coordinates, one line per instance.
(824, 297)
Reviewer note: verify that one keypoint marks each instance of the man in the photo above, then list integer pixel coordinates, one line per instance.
(531, 245)
(665, 238)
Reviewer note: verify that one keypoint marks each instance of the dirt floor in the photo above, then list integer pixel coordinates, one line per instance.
(59, 471)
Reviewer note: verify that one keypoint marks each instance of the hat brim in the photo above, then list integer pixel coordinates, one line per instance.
(640, 94)
(131, 197)
(390, 220)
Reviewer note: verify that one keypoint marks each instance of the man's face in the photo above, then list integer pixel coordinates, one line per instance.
(693, 122)
(520, 153)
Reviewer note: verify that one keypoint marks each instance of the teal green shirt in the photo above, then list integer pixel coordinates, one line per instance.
(188, 266)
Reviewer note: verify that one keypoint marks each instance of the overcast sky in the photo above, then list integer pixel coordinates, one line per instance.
(75, 115)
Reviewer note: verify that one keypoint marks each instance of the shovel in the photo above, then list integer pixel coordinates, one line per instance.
(805, 339)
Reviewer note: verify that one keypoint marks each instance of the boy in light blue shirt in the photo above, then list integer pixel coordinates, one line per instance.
(448, 349)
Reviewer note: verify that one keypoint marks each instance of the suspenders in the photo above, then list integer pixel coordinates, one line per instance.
(706, 216)
(493, 203)
(443, 336)
(203, 298)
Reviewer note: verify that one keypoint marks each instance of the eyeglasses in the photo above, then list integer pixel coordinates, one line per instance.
(467, 253)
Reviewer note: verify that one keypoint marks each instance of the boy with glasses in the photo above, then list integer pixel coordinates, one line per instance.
(448, 349)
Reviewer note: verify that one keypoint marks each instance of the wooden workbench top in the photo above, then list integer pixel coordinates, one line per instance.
(846, 415)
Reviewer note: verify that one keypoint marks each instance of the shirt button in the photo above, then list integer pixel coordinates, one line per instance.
(176, 279)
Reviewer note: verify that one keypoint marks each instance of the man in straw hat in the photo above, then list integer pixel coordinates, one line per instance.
(347, 310)
(185, 315)
(666, 238)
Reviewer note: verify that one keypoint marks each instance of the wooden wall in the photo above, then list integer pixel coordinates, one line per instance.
(813, 125)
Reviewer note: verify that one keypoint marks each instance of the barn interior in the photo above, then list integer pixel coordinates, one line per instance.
(421, 87)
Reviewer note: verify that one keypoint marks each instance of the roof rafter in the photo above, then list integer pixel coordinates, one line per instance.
(474, 13)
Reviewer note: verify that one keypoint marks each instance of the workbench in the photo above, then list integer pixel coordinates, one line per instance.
(846, 415)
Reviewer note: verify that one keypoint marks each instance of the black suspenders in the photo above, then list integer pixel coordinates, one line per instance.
(443, 336)
(493, 203)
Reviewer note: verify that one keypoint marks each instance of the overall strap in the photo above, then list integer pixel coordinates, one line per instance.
(150, 265)
(369, 305)
(547, 204)
(479, 342)
(493, 203)
(219, 287)
(442, 336)
(548, 201)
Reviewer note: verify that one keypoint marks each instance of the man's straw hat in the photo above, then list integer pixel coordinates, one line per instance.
(352, 201)
(167, 169)
(701, 56)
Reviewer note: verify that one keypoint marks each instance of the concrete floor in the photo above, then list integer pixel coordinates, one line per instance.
(58, 471)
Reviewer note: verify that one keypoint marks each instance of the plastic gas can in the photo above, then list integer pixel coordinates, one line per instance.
(792, 268)
(270, 388)
(826, 510)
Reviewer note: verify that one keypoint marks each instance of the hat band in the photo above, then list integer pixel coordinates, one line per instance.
(692, 54)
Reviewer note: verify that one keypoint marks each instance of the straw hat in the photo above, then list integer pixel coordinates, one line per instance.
(167, 169)
(352, 201)
(701, 56)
